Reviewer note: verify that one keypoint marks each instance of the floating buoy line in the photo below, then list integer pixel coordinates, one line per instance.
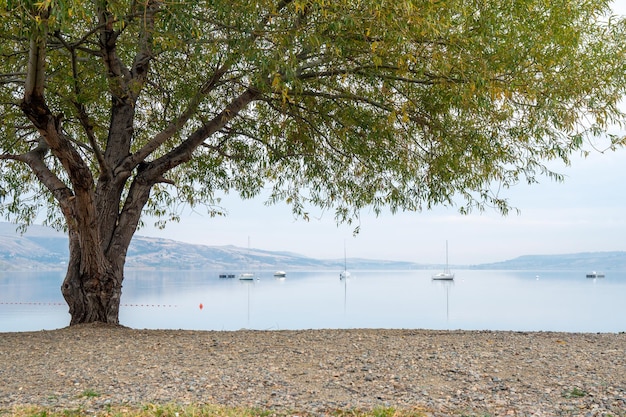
(34, 303)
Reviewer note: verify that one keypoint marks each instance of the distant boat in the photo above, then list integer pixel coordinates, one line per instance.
(345, 273)
(280, 274)
(227, 275)
(446, 274)
(247, 276)
(594, 274)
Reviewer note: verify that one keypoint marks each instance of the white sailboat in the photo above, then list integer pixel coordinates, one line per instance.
(345, 273)
(446, 274)
(247, 276)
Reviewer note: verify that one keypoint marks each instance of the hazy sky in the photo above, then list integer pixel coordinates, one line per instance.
(586, 213)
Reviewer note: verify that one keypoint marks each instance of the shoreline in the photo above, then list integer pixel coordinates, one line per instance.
(317, 371)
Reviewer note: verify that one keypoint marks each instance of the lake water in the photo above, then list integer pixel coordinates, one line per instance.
(475, 300)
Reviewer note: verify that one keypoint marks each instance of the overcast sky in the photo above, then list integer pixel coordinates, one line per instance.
(585, 213)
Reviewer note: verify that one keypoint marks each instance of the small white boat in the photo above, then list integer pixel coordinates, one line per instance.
(280, 274)
(446, 274)
(594, 274)
(345, 273)
(246, 276)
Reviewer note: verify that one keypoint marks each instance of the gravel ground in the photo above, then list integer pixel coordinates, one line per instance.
(439, 373)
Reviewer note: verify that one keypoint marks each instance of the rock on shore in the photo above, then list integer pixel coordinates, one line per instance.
(436, 372)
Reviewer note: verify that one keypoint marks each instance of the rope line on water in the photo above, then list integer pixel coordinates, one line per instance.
(35, 303)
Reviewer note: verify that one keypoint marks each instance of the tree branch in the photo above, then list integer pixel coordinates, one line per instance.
(36, 70)
(35, 160)
(117, 72)
(80, 107)
(145, 54)
(174, 126)
(183, 152)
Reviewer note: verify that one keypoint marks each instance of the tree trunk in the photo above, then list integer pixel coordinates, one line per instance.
(92, 299)
(92, 288)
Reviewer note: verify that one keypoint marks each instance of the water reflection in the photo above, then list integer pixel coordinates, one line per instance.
(248, 284)
(345, 293)
(447, 285)
(481, 300)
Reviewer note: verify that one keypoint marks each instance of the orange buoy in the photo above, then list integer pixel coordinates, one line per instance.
(201, 306)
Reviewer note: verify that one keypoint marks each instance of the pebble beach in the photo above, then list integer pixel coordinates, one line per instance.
(435, 373)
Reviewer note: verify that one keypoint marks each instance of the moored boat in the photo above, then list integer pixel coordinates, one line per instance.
(446, 275)
(246, 276)
(345, 273)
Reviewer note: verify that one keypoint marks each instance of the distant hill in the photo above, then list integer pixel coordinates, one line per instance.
(586, 261)
(42, 248)
(148, 252)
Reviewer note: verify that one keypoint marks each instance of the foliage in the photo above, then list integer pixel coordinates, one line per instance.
(402, 104)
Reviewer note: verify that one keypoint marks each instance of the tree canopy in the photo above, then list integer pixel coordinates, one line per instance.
(116, 109)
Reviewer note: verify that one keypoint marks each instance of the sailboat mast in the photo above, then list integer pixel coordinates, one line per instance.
(248, 276)
(344, 274)
(446, 274)
(447, 268)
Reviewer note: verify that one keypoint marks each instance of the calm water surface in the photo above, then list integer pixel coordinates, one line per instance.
(475, 300)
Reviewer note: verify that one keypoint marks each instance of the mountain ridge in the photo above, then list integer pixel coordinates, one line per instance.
(42, 248)
(599, 261)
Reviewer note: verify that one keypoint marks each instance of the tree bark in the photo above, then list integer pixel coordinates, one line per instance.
(93, 293)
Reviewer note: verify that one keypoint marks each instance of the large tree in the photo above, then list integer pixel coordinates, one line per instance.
(114, 109)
